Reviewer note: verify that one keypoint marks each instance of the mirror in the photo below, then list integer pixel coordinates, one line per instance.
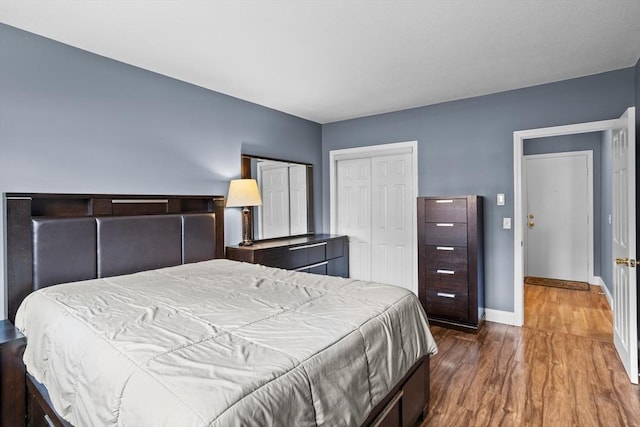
(287, 197)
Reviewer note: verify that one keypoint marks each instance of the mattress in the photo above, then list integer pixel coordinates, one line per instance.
(221, 343)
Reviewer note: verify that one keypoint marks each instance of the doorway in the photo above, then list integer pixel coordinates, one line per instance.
(559, 215)
(624, 226)
(373, 194)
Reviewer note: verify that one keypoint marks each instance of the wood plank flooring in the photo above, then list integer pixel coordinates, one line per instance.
(560, 369)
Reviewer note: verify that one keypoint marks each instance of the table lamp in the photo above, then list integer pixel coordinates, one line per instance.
(244, 193)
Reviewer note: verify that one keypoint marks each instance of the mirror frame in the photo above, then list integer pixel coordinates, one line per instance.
(245, 172)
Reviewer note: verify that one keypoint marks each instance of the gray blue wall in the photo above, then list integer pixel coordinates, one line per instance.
(466, 147)
(75, 122)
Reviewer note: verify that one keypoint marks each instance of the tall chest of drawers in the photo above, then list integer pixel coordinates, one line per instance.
(451, 260)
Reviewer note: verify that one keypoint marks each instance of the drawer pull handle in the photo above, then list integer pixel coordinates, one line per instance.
(48, 421)
(445, 272)
(444, 224)
(295, 248)
(445, 295)
(444, 248)
(444, 201)
(312, 266)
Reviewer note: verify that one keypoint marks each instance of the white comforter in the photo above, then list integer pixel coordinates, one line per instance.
(221, 343)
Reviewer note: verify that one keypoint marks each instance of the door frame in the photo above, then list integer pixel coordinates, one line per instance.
(518, 200)
(589, 154)
(409, 147)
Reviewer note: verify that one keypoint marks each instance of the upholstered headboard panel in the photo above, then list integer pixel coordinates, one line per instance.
(130, 244)
(55, 239)
(198, 244)
(64, 250)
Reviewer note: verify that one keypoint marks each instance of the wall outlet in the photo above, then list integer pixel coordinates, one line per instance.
(506, 223)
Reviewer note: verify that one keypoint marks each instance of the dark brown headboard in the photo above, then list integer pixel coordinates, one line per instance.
(57, 238)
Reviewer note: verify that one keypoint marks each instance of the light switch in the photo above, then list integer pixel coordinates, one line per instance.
(506, 223)
(500, 199)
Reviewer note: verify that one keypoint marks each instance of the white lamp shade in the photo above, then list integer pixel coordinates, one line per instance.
(243, 192)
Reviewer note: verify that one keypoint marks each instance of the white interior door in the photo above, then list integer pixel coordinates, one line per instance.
(373, 194)
(557, 217)
(391, 215)
(274, 212)
(354, 213)
(625, 310)
(298, 199)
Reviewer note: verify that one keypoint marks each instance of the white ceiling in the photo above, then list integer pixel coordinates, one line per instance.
(333, 60)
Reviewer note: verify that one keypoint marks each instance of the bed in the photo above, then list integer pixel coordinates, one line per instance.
(148, 325)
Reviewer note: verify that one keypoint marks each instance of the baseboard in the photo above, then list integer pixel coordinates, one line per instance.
(598, 281)
(499, 316)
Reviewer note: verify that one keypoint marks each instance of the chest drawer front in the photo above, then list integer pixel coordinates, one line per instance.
(445, 210)
(316, 253)
(447, 304)
(278, 257)
(450, 257)
(445, 233)
(320, 268)
(439, 284)
(335, 248)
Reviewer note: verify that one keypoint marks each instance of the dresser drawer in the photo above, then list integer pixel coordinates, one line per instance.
(335, 248)
(434, 283)
(319, 268)
(445, 210)
(293, 257)
(445, 233)
(442, 279)
(279, 258)
(447, 304)
(449, 257)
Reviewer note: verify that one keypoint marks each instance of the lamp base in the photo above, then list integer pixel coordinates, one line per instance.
(246, 237)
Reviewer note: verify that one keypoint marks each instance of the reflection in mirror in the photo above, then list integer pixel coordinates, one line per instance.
(286, 197)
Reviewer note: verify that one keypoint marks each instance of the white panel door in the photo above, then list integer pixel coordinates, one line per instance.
(625, 308)
(274, 212)
(391, 219)
(298, 199)
(557, 216)
(354, 213)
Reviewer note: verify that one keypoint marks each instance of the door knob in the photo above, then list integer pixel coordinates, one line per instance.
(530, 216)
(531, 224)
(626, 261)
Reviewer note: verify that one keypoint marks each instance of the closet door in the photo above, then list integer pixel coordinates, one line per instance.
(354, 213)
(375, 209)
(274, 212)
(298, 199)
(392, 237)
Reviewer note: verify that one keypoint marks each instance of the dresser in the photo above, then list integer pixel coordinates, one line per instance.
(451, 260)
(318, 253)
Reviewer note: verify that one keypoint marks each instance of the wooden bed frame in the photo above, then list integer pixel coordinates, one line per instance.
(35, 222)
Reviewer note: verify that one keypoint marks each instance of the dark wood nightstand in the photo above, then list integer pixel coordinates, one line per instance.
(12, 375)
(317, 253)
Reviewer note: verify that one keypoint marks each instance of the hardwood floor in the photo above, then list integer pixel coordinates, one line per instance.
(560, 369)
